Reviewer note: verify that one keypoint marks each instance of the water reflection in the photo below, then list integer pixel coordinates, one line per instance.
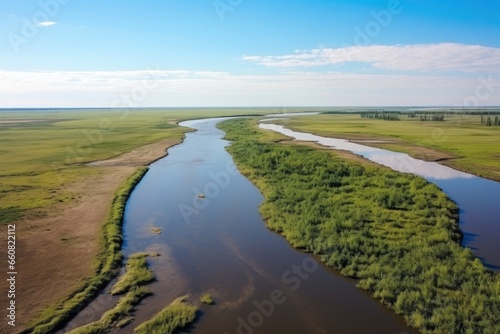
(400, 162)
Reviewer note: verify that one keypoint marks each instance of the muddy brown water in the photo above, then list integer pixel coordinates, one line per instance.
(219, 244)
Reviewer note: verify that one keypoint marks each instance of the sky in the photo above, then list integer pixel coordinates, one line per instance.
(197, 53)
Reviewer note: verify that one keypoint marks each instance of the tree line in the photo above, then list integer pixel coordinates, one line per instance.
(488, 121)
(387, 116)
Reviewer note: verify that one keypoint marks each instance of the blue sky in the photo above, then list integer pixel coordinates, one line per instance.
(75, 53)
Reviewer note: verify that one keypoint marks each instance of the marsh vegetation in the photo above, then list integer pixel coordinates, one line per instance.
(396, 233)
(173, 317)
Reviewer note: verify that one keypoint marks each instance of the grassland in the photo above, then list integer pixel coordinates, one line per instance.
(46, 150)
(460, 141)
(108, 264)
(43, 157)
(59, 203)
(396, 233)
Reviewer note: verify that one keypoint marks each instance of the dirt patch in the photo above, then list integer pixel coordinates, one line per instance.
(15, 121)
(139, 157)
(56, 253)
(417, 152)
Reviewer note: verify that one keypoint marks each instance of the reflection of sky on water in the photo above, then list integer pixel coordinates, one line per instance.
(476, 197)
(400, 162)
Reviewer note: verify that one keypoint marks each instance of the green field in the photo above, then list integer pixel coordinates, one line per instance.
(45, 153)
(396, 233)
(461, 140)
(41, 157)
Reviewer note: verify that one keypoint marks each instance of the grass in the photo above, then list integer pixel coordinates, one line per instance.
(44, 157)
(472, 146)
(108, 263)
(156, 230)
(131, 283)
(118, 316)
(136, 273)
(206, 298)
(175, 316)
(396, 233)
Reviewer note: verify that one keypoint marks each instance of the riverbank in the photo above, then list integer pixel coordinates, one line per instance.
(60, 254)
(57, 187)
(396, 233)
(454, 142)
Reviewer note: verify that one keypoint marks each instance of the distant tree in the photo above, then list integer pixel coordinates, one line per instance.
(488, 121)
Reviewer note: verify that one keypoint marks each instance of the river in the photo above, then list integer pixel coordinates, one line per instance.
(477, 198)
(219, 244)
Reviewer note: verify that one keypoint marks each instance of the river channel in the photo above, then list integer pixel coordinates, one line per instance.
(477, 198)
(219, 244)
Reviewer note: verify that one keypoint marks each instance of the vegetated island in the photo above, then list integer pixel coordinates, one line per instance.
(396, 233)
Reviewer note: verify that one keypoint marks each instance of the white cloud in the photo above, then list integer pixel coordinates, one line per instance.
(46, 23)
(212, 88)
(419, 57)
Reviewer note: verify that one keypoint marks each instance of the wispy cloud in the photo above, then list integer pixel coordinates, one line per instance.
(212, 88)
(46, 23)
(417, 57)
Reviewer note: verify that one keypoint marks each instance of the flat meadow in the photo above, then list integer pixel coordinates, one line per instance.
(460, 141)
(44, 151)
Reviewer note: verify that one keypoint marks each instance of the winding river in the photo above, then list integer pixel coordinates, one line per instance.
(477, 198)
(219, 244)
(214, 240)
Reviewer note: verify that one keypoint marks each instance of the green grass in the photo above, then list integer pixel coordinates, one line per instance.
(42, 158)
(175, 316)
(118, 316)
(206, 299)
(475, 147)
(136, 273)
(45, 157)
(108, 263)
(397, 234)
(131, 283)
